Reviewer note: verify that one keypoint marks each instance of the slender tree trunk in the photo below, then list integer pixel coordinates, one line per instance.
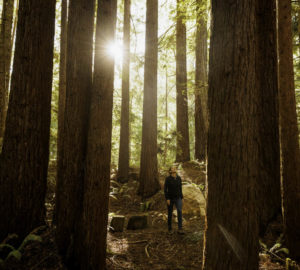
(149, 183)
(25, 154)
(124, 134)
(266, 67)
(166, 117)
(290, 154)
(97, 178)
(71, 166)
(183, 142)
(5, 58)
(231, 238)
(62, 74)
(201, 83)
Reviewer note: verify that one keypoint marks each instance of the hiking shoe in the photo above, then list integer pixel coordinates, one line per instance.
(180, 231)
(170, 231)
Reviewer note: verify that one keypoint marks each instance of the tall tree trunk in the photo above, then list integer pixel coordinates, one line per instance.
(149, 183)
(97, 178)
(290, 154)
(183, 142)
(124, 134)
(201, 116)
(62, 74)
(25, 154)
(71, 166)
(5, 59)
(266, 67)
(231, 238)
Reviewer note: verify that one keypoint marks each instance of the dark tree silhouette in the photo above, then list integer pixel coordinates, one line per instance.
(25, 153)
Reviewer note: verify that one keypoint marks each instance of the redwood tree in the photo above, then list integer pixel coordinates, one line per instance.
(25, 153)
(149, 183)
(97, 174)
(290, 154)
(71, 165)
(62, 72)
(231, 237)
(5, 59)
(267, 83)
(123, 168)
(182, 123)
(201, 121)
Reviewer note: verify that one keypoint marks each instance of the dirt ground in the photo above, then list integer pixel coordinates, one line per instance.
(151, 248)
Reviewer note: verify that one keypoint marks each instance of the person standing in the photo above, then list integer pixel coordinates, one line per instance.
(173, 195)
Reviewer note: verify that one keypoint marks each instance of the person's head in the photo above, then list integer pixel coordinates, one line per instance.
(172, 170)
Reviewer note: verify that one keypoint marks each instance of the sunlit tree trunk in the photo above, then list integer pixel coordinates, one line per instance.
(290, 154)
(149, 183)
(24, 159)
(182, 123)
(71, 165)
(5, 58)
(231, 237)
(124, 134)
(201, 120)
(92, 247)
(267, 83)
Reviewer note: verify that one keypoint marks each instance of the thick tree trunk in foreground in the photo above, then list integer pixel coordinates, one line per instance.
(201, 121)
(24, 159)
(266, 67)
(149, 183)
(290, 154)
(5, 58)
(231, 239)
(97, 178)
(124, 134)
(182, 123)
(70, 174)
(62, 74)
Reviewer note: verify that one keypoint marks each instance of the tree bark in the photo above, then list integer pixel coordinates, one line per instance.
(231, 238)
(267, 83)
(183, 142)
(71, 166)
(5, 59)
(290, 154)
(25, 154)
(62, 74)
(149, 183)
(124, 134)
(97, 178)
(201, 117)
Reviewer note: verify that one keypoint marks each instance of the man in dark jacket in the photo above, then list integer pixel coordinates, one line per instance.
(173, 194)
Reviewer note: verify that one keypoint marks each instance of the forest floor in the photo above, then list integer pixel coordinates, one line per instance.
(150, 248)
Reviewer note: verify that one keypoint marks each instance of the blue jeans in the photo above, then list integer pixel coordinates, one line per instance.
(178, 204)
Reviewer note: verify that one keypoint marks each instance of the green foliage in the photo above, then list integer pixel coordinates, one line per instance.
(16, 254)
(30, 238)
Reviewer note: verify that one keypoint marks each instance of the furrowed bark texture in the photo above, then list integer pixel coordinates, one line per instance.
(201, 117)
(97, 179)
(231, 239)
(123, 168)
(267, 83)
(149, 183)
(70, 174)
(182, 123)
(62, 74)
(290, 154)
(5, 58)
(25, 153)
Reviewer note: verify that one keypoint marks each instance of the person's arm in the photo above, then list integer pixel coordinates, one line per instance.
(180, 183)
(166, 190)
